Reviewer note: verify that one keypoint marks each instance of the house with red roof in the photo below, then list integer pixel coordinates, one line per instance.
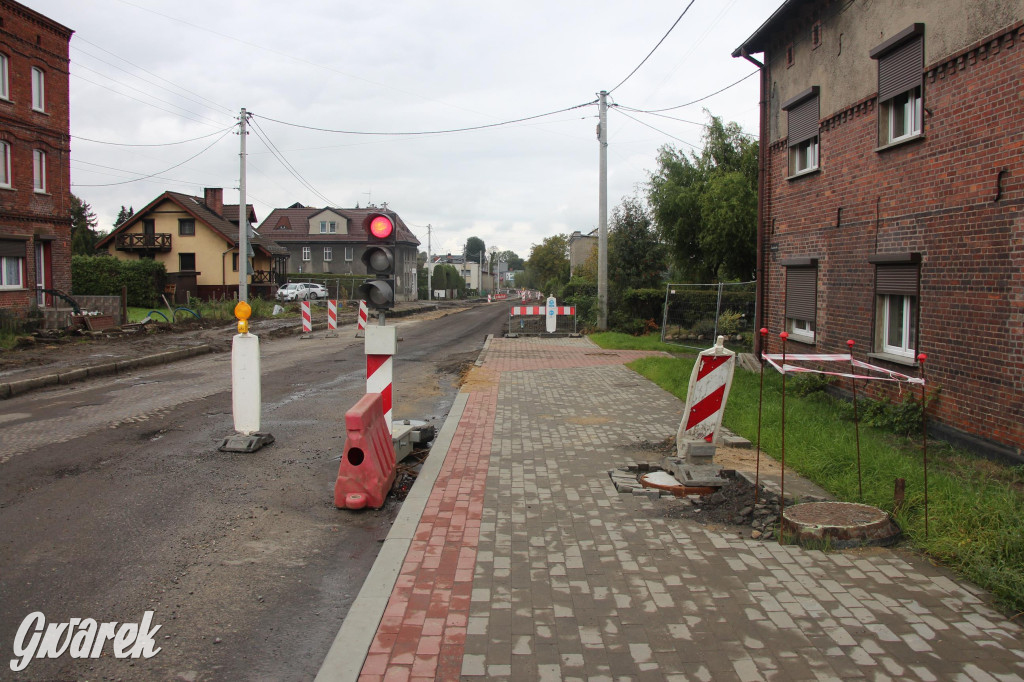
(332, 240)
(196, 238)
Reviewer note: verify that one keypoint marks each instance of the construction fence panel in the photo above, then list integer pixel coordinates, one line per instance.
(694, 315)
(536, 324)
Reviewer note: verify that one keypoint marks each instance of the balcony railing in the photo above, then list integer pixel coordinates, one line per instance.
(262, 277)
(143, 242)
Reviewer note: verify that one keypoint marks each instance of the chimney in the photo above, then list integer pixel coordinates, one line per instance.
(214, 199)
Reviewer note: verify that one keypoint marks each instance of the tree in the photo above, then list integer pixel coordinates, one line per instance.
(548, 265)
(83, 228)
(705, 205)
(512, 259)
(636, 257)
(123, 215)
(474, 247)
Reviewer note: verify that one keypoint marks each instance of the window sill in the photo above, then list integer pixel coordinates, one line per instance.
(801, 338)
(804, 173)
(906, 360)
(41, 191)
(899, 143)
(8, 188)
(12, 288)
(41, 111)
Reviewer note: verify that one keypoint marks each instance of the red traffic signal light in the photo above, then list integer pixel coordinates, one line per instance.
(381, 226)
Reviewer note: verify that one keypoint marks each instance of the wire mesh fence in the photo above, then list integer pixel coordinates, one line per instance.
(536, 324)
(696, 314)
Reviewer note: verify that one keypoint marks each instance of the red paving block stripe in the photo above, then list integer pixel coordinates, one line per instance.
(423, 631)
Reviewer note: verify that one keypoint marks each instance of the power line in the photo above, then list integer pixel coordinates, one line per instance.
(428, 132)
(78, 37)
(655, 129)
(141, 101)
(78, 138)
(680, 106)
(673, 118)
(260, 133)
(655, 48)
(151, 175)
(143, 92)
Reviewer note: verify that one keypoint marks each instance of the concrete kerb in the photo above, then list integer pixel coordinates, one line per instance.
(345, 658)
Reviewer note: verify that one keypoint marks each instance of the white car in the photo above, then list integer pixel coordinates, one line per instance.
(301, 291)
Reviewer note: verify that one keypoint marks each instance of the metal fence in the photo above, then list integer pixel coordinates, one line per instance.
(696, 314)
(536, 325)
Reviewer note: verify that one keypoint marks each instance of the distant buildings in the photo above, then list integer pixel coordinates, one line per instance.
(581, 247)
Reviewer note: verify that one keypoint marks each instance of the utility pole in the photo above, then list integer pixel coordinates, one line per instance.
(243, 222)
(602, 217)
(430, 270)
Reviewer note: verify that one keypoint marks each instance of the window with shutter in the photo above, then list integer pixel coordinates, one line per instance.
(900, 85)
(801, 299)
(897, 280)
(803, 116)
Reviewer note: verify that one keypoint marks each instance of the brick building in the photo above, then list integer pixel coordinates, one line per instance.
(35, 194)
(891, 195)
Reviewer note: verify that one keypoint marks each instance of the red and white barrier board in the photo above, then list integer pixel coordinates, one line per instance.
(710, 382)
(332, 315)
(541, 310)
(363, 314)
(380, 347)
(307, 319)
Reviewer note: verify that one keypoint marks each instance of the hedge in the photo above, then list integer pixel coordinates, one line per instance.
(105, 275)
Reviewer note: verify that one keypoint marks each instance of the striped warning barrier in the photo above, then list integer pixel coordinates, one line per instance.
(541, 310)
(307, 320)
(363, 314)
(708, 392)
(332, 318)
(380, 346)
(539, 319)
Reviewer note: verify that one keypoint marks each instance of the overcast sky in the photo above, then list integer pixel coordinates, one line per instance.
(153, 72)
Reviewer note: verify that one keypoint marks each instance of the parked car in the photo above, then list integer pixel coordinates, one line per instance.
(301, 291)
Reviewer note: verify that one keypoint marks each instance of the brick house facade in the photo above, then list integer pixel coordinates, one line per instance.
(891, 207)
(35, 194)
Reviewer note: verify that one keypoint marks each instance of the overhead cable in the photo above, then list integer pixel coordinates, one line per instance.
(655, 48)
(79, 138)
(428, 132)
(696, 101)
(151, 175)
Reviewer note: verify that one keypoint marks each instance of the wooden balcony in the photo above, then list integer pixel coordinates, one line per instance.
(262, 277)
(143, 242)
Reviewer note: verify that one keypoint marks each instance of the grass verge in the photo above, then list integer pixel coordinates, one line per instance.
(620, 341)
(975, 508)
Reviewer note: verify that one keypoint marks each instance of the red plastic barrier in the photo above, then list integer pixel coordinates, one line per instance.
(367, 468)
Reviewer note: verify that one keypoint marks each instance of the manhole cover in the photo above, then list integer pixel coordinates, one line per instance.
(838, 525)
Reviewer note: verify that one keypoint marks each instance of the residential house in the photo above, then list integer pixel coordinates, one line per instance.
(476, 275)
(196, 238)
(35, 194)
(332, 240)
(891, 196)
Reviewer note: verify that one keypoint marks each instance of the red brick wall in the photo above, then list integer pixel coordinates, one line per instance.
(935, 196)
(29, 39)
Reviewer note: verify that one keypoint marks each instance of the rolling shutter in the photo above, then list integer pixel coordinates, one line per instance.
(801, 293)
(900, 62)
(12, 248)
(803, 121)
(897, 279)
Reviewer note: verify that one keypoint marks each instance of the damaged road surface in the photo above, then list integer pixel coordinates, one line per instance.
(114, 501)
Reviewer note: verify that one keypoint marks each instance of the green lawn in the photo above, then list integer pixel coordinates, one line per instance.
(975, 510)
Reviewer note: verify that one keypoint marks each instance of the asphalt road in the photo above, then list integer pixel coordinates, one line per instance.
(114, 500)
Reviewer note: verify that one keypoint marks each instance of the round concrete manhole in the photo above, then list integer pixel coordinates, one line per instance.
(838, 525)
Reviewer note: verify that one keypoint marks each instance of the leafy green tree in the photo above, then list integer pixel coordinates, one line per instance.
(512, 259)
(705, 205)
(474, 247)
(83, 228)
(548, 265)
(123, 215)
(636, 257)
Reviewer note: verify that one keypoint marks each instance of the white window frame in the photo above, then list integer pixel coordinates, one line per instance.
(38, 89)
(323, 227)
(39, 171)
(5, 90)
(800, 330)
(307, 253)
(349, 254)
(909, 105)
(333, 227)
(328, 254)
(5, 153)
(803, 157)
(6, 282)
(908, 320)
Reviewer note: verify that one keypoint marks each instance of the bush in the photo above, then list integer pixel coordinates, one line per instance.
(105, 275)
(902, 418)
(643, 303)
(808, 383)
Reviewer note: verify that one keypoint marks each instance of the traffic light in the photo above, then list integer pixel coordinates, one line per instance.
(379, 259)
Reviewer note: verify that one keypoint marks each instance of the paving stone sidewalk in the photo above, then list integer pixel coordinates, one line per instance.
(528, 565)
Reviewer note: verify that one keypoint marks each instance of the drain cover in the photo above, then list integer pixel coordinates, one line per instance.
(839, 525)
